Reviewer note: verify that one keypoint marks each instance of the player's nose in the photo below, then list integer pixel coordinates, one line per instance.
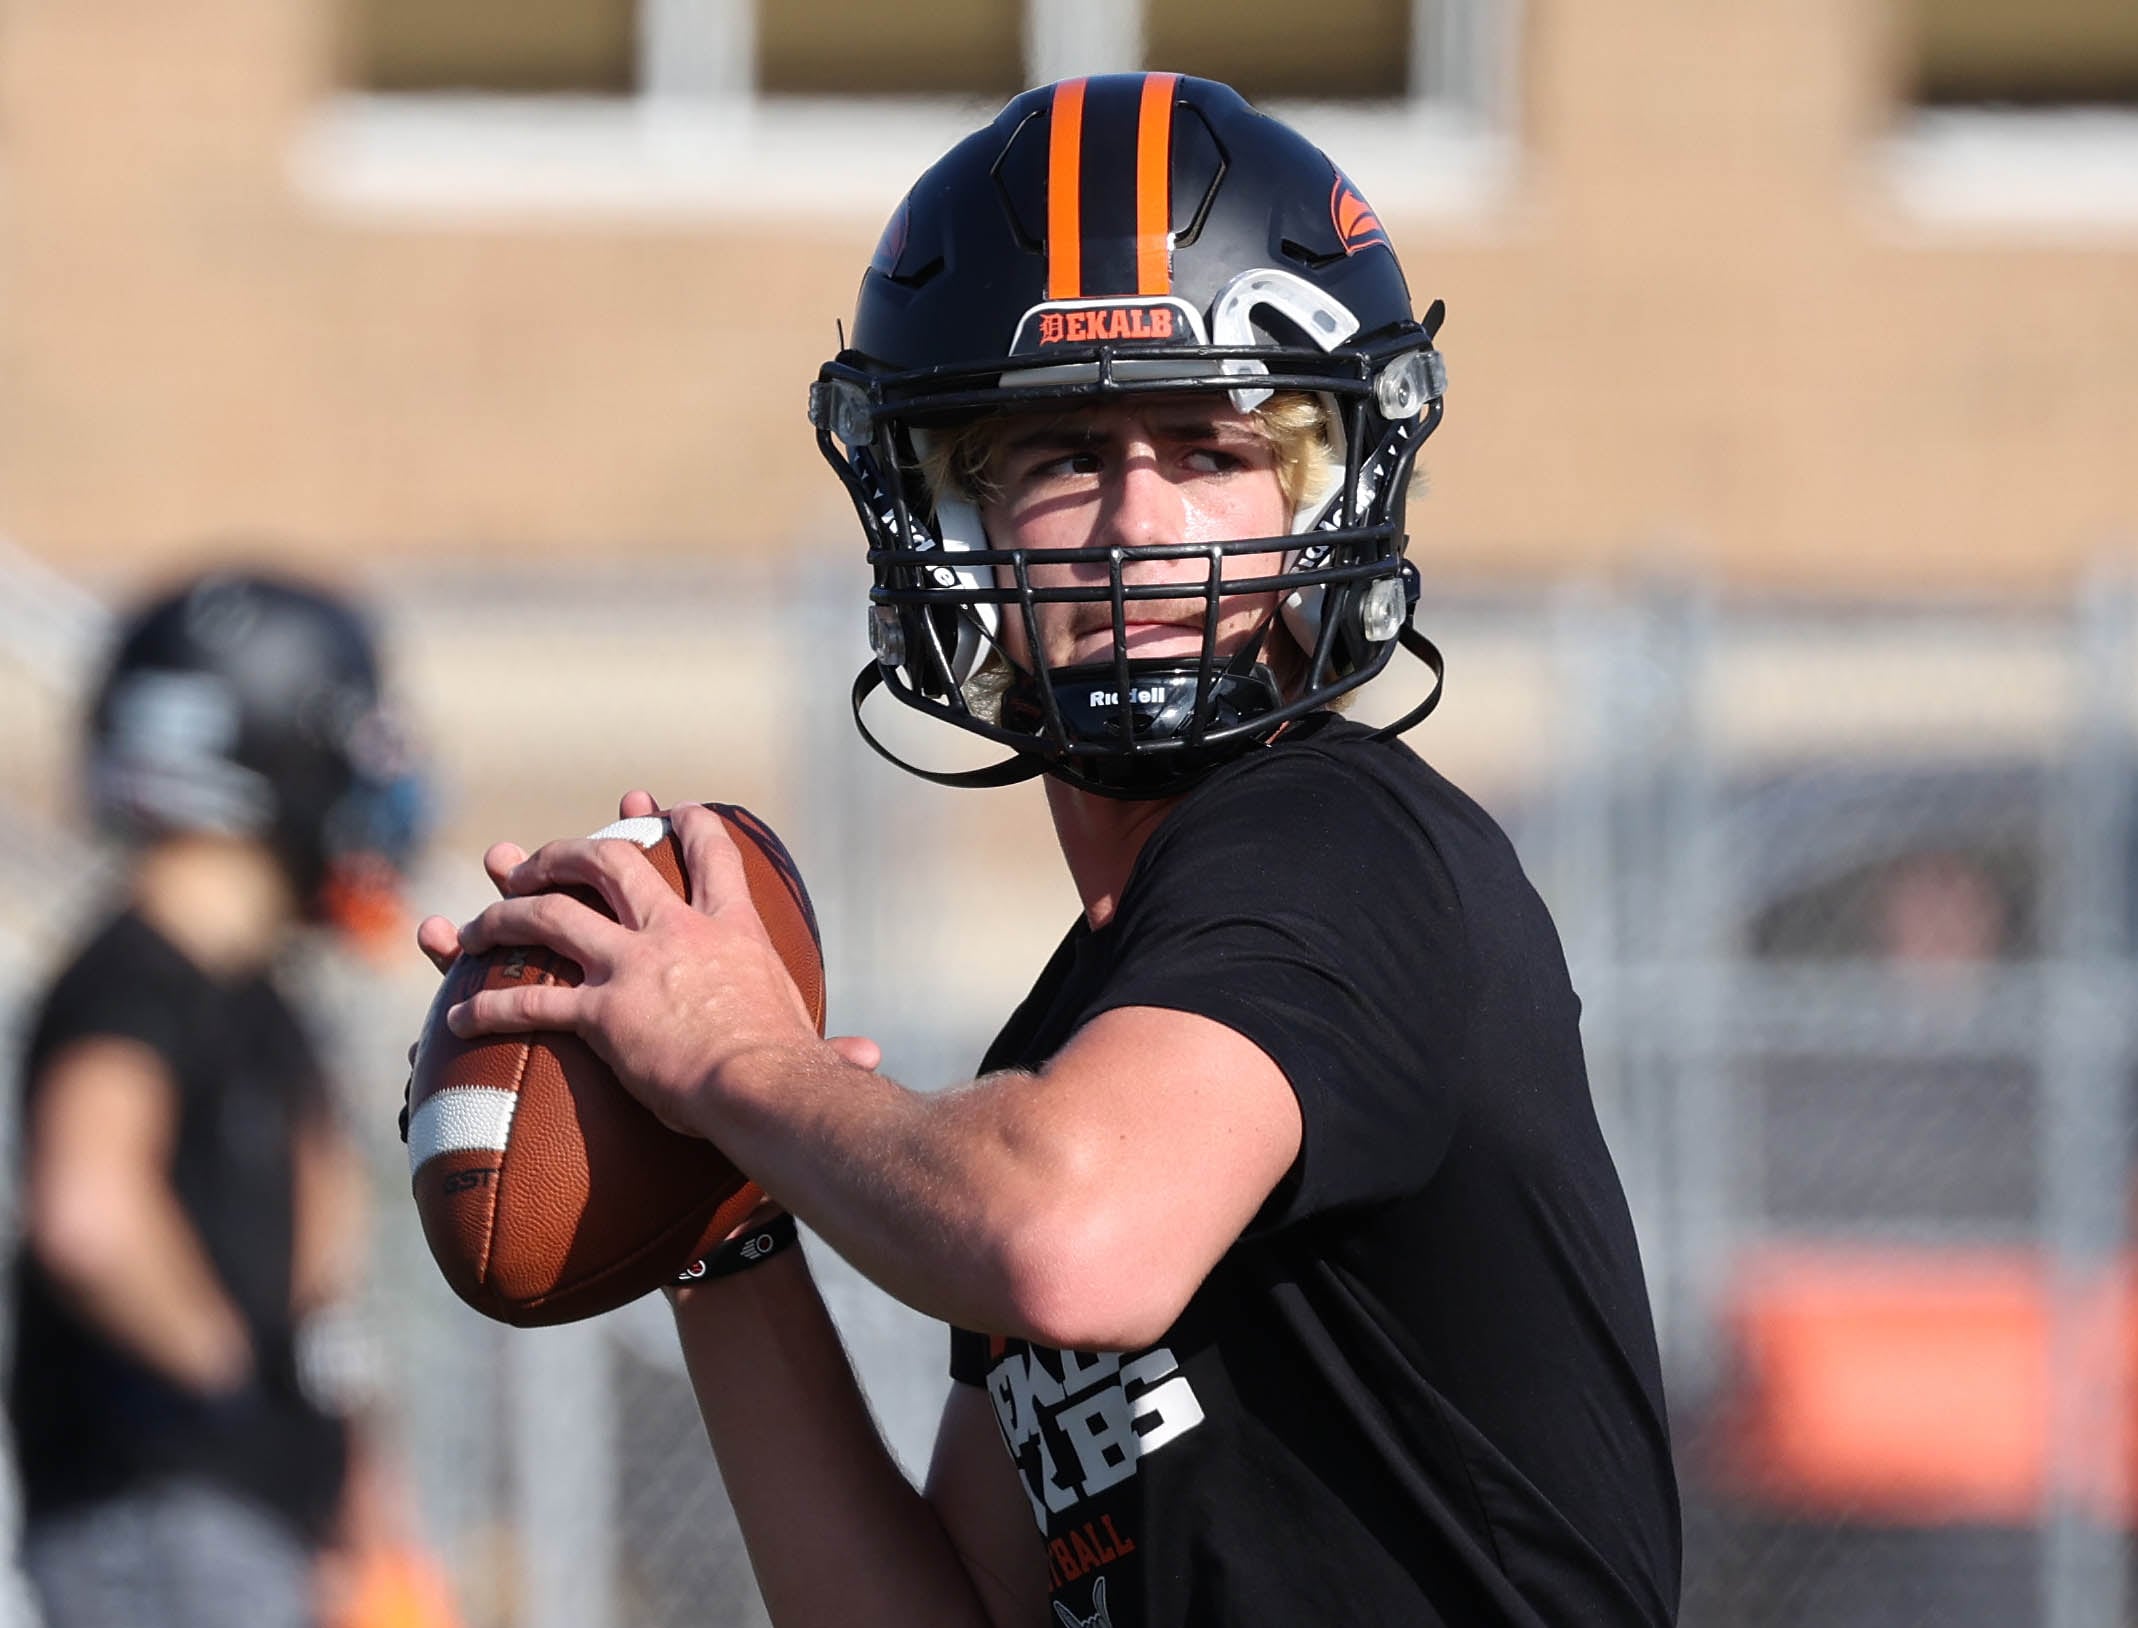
(1144, 509)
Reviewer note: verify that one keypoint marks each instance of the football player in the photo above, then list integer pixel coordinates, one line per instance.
(189, 1198)
(1289, 1278)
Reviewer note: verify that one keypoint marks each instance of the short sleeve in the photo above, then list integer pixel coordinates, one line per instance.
(112, 991)
(1300, 902)
(968, 1357)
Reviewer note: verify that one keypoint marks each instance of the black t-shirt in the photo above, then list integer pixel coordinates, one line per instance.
(1423, 1387)
(90, 1420)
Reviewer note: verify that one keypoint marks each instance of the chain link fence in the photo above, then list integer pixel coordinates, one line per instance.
(1847, 895)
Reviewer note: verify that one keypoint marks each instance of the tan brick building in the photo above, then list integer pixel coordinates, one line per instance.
(1722, 291)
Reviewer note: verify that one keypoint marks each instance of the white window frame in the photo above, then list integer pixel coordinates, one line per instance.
(698, 140)
(2039, 172)
(2055, 173)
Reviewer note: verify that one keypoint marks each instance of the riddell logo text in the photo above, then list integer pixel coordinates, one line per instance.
(1149, 695)
(1086, 1429)
(1108, 322)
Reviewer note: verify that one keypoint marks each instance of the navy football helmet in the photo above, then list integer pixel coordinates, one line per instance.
(249, 705)
(1105, 239)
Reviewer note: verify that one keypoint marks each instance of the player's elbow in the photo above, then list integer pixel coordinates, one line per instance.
(76, 1229)
(1085, 1281)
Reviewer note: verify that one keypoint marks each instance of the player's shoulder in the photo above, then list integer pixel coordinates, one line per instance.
(123, 978)
(119, 946)
(1339, 775)
(1338, 811)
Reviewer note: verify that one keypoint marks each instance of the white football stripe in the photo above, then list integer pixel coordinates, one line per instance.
(461, 1119)
(643, 829)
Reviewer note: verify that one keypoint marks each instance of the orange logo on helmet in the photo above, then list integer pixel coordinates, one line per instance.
(1356, 224)
(1096, 326)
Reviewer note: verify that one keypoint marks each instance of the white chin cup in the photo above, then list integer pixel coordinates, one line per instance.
(1302, 613)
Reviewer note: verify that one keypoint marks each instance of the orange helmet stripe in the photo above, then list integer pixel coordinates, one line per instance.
(1154, 185)
(1065, 181)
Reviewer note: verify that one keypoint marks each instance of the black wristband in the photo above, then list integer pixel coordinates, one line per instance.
(753, 1248)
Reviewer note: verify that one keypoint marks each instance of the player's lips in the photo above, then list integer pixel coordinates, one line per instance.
(1151, 638)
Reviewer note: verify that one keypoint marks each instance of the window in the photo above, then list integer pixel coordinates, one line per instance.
(494, 45)
(2044, 52)
(1356, 49)
(721, 105)
(2024, 117)
(866, 47)
(618, 47)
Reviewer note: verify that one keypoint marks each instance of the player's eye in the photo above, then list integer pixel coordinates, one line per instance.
(1084, 461)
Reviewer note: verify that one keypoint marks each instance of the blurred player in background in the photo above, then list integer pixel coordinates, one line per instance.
(1282, 1251)
(189, 1197)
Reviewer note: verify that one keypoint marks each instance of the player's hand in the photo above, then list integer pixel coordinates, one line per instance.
(439, 939)
(672, 992)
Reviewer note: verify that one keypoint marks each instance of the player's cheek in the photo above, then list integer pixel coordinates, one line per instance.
(1016, 645)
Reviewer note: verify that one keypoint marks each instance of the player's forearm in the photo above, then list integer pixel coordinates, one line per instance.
(836, 1532)
(936, 1197)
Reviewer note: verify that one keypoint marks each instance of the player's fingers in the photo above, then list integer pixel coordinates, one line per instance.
(516, 1010)
(717, 879)
(555, 921)
(439, 940)
(636, 805)
(500, 859)
(857, 1049)
(617, 870)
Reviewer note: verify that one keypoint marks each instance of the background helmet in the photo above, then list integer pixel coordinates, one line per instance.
(1101, 239)
(249, 706)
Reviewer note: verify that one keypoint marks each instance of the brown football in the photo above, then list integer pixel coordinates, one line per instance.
(547, 1193)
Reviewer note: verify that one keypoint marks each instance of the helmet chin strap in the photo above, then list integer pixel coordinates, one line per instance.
(1429, 653)
(1019, 766)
